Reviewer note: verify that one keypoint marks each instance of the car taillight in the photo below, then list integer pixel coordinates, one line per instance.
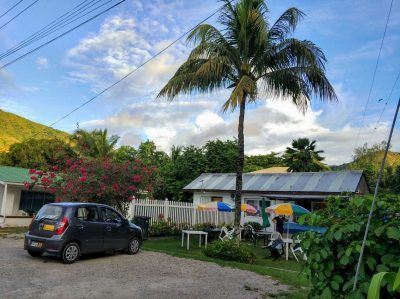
(62, 226)
(30, 225)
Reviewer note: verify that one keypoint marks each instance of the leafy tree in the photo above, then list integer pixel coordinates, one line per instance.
(95, 144)
(257, 162)
(37, 153)
(303, 156)
(148, 153)
(254, 60)
(333, 256)
(125, 153)
(97, 180)
(220, 155)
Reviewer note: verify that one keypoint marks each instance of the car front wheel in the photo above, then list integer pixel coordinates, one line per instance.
(71, 253)
(134, 245)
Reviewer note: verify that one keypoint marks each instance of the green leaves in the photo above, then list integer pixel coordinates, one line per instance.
(375, 287)
(393, 233)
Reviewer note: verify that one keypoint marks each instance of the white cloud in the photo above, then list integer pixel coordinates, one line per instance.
(42, 63)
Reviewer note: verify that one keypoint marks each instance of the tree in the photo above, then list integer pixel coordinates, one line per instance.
(94, 144)
(220, 155)
(149, 155)
(97, 180)
(37, 153)
(257, 162)
(125, 153)
(303, 156)
(254, 60)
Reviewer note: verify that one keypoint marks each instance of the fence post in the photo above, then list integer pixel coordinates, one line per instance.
(132, 211)
(216, 218)
(193, 215)
(166, 209)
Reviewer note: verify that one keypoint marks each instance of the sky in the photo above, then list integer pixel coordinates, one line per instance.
(59, 77)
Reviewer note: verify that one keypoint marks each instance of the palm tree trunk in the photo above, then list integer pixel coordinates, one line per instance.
(239, 168)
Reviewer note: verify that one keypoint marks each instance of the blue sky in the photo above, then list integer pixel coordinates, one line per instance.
(52, 81)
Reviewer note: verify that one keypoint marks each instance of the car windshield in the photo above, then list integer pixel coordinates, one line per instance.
(51, 212)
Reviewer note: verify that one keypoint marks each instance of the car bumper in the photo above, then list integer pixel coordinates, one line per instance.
(49, 245)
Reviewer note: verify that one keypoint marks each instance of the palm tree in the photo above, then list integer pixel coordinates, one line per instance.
(254, 60)
(95, 144)
(302, 156)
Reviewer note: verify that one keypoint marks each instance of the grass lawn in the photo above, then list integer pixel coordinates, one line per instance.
(287, 272)
(13, 230)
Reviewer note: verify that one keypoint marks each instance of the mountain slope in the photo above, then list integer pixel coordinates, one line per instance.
(14, 129)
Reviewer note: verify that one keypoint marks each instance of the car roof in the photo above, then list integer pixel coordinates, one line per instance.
(74, 204)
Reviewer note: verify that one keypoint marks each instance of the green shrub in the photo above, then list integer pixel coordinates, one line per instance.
(204, 226)
(332, 257)
(230, 250)
(164, 228)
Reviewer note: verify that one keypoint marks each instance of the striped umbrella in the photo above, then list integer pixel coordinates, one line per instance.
(248, 208)
(215, 206)
(287, 209)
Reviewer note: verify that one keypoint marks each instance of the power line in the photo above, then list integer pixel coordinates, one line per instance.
(374, 74)
(18, 14)
(10, 9)
(387, 101)
(129, 73)
(54, 26)
(59, 36)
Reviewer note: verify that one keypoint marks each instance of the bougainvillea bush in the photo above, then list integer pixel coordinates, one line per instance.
(97, 180)
(333, 256)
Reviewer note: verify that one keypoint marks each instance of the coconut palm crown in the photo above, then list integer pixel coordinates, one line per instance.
(256, 61)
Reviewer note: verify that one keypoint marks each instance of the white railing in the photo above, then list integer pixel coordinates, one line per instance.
(176, 212)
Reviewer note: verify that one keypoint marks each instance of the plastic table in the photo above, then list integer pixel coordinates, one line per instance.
(193, 232)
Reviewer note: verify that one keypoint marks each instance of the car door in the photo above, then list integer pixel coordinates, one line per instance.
(89, 228)
(115, 236)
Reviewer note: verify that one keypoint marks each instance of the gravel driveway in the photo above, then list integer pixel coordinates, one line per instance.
(145, 275)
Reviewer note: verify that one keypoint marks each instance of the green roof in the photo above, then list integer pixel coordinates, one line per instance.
(10, 174)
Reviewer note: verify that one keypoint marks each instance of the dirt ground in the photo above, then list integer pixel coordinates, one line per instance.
(145, 275)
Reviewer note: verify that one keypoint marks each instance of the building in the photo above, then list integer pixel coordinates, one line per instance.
(308, 189)
(17, 204)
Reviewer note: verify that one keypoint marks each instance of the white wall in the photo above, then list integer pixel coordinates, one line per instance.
(1, 197)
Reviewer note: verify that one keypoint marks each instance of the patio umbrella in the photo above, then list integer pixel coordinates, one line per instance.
(215, 206)
(248, 208)
(264, 215)
(287, 209)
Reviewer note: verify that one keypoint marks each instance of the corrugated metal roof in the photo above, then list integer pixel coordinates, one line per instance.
(306, 182)
(10, 174)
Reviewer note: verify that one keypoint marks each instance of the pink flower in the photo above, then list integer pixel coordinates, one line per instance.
(132, 188)
(136, 178)
(55, 168)
(32, 171)
(82, 179)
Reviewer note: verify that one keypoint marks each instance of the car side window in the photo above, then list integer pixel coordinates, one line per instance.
(110, 216)
(87, 214)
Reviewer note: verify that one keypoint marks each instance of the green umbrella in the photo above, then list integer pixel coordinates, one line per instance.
(264, 213)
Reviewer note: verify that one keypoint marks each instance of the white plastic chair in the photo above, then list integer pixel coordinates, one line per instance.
(274, 236)
(226, 234)
(295, 247)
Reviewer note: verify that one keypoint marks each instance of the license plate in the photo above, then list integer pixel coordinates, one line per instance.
(36, 244)
(49, 227)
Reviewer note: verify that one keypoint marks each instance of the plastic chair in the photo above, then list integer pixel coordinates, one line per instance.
(295, 247)
(226, 234)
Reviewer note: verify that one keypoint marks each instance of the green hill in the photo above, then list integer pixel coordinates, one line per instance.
(14, 129)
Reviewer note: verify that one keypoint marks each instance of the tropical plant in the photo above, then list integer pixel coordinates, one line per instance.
(94, 144)
(255, 60)
(333, 256)
(391, 279)
(303, 156)
(97, 180)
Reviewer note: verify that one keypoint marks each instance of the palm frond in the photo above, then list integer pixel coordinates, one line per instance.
(246, 87)
(285, 24)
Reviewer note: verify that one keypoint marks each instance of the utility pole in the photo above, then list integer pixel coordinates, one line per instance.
(375, 195)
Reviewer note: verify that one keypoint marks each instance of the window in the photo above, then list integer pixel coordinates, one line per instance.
(87, 214)
(216, 198)
(205, 199)
(110, 216)
(32, 201)
(51, 212)
(255, 203)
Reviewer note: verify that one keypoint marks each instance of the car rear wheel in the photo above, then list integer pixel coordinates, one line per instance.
(134, 245)
(35, 253)
(71, 253)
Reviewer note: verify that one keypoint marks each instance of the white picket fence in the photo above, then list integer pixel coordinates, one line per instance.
(177, 212)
